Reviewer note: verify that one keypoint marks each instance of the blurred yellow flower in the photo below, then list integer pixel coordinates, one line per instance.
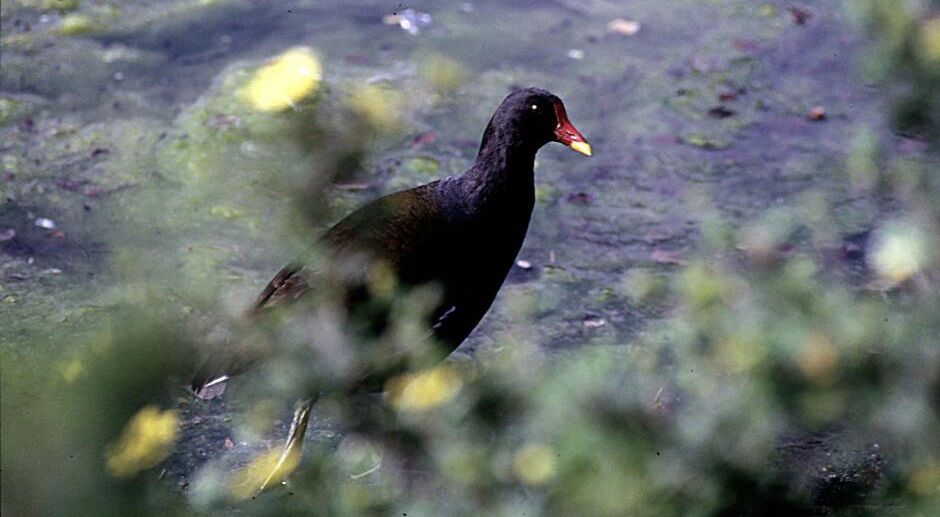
(284, 81)
(818, 358)
(925, 479)
(901, 250)
(72, 370)
(146, 440)
(737, 355)
(424, 390)
(262, 472)
(703, 286)
(379, 107)
(443, 73)
(930, 39)
(534, 464)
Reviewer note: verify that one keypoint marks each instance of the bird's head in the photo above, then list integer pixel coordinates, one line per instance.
(536, 117)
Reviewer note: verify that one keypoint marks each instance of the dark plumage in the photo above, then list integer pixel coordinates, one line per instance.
(460, 233)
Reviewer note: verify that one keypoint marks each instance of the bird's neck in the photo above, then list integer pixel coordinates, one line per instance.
(503, 171)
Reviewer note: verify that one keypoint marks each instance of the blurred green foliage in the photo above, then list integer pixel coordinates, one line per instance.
(907, 53)
(766, 345)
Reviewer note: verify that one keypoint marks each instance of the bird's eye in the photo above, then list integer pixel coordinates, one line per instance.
(535, 107)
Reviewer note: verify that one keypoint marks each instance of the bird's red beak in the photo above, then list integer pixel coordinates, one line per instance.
(566, 133)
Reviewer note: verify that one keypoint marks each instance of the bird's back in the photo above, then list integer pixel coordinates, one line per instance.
(424, 237)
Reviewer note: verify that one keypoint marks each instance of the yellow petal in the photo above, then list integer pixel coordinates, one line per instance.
(379, 106)
(930, 40)
(424, 390)
(145, 441)
(534, 464)
(284, 81)
(72, 370)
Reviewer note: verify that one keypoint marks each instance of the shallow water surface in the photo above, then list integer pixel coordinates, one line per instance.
(99, 114)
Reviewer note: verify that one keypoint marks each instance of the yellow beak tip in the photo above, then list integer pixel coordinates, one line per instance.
(582, 147)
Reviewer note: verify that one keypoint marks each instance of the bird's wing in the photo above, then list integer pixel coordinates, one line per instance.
(398, 228)
(403, 229)
(288, 284)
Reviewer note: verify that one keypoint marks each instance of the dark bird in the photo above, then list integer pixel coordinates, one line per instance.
(460, 234)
